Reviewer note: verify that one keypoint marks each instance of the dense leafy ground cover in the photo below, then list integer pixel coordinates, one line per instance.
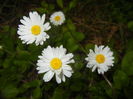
(88, 22)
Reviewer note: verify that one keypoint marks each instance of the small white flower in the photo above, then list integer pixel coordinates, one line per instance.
(101, 59)
(33, 29)
(57, 18)
(55, 61)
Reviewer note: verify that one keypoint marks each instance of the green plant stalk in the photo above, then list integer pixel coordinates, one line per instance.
(107, 80)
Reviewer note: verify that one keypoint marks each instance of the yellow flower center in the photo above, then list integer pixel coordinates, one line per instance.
(36, 30)
(57, 18)
(56, 63)
(100, 58)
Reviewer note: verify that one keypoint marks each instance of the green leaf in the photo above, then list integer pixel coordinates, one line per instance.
(6, 28)
(60, 3)
(37, 93)
(70, 25)
(76, 86)
(79, 97)
(77, 75)
(9, 91)
(89, 46)
(127, 63)
(51, 7)
(79, 36)
(58, 94)
(23, 55)
(8, 44)
(120, 79)
(72, 4)
(13, 31)
(34, 83)
(72, 45)
(66, 36)
(44, 4)
(7, 62)
(79, 62)
(22, 65)
(42, 10)
(129, 45)
(130, 25)
(48, 86)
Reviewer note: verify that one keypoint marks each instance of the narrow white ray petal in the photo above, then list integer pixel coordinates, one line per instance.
(63, 78)
(58, 79)
(67, 73)
(47, 26)
(94, 68)
(43, 18)
(43, 70)
(48, 76)
(67, 67)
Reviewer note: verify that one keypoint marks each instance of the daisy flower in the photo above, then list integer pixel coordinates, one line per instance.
(101, 59)
(33, 29)
(55, 61)
(57, 18)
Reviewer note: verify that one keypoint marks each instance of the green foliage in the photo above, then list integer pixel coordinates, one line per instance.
(37, 93)
(129, 46)
(45, 8)
(120, 79)
(85, 19)
(58, 94)
(72, 4)
(60, 3)
(130, 25)
(10, 91)
(127, 63)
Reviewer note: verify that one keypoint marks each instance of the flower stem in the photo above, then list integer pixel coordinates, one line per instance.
(107, 80)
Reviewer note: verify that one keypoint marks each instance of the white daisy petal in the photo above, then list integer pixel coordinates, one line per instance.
(58, 71)
(48, 76)
(67, 57)
(47, 26)
(67, 73)
(43, 18)
(33, 29)
(63, 78)
(94, 68)
(43, 70)
(67, 67)
(58, 79)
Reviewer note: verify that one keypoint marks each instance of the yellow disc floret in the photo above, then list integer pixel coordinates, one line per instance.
(36, 29)
(56, 63)
(100, 58)
(57, 18)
